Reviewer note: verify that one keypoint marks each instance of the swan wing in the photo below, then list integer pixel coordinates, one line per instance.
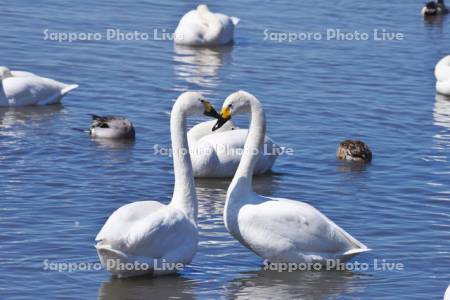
(287, 230)
(121, 220)
(168, 233)
(147, 229)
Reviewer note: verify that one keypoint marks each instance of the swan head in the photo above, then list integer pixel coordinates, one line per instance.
(5, 73)
(237, 103)
(193, 103)
(202, 8)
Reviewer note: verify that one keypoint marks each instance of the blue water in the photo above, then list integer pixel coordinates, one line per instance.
(57, 186)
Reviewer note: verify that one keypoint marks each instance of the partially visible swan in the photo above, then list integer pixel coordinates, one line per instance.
(447, 293)
(354, 151)
(111, 127)
(442, 74)
(149, 233)
(434, 8)
(20, 88)
(201, 27)
(277, 229)
(217, 154)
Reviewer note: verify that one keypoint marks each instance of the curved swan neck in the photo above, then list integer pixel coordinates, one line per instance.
(242, 180)
(184, 195)
(212, 22)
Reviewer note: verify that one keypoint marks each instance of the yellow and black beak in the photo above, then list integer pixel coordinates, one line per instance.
(209, 110)
(225, 115)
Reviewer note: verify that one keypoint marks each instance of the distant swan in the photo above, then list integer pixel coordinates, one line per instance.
(20, 88)
(111, 127)
(434, 8)
(201, 27)
(442, 74)
(217, 153)
(149, 233)
(354, 151)
(277, 229)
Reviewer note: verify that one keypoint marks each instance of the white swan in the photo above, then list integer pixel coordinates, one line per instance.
(20, 88)
(217, 153)
(277, 229)
(201, 27)
(149, 233)
(111, 127)
(447, 293)
(442, 74)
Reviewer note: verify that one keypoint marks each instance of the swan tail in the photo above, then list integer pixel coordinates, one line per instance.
(356, 251)
(68, 88)
(109, 256)
(235, 20)
(353, 252)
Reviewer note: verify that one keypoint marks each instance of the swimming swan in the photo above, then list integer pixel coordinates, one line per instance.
(149, 233)
(111, 127)
(277, 229)
(20, 88)
(434, 8)
(447, 293)
(442, 74)
(201, 27)
(217, 153)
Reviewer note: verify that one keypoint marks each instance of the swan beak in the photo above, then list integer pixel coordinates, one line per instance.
(209, 110)
(225, 115)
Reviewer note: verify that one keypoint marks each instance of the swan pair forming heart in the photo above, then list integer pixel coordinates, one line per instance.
(277, 229)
